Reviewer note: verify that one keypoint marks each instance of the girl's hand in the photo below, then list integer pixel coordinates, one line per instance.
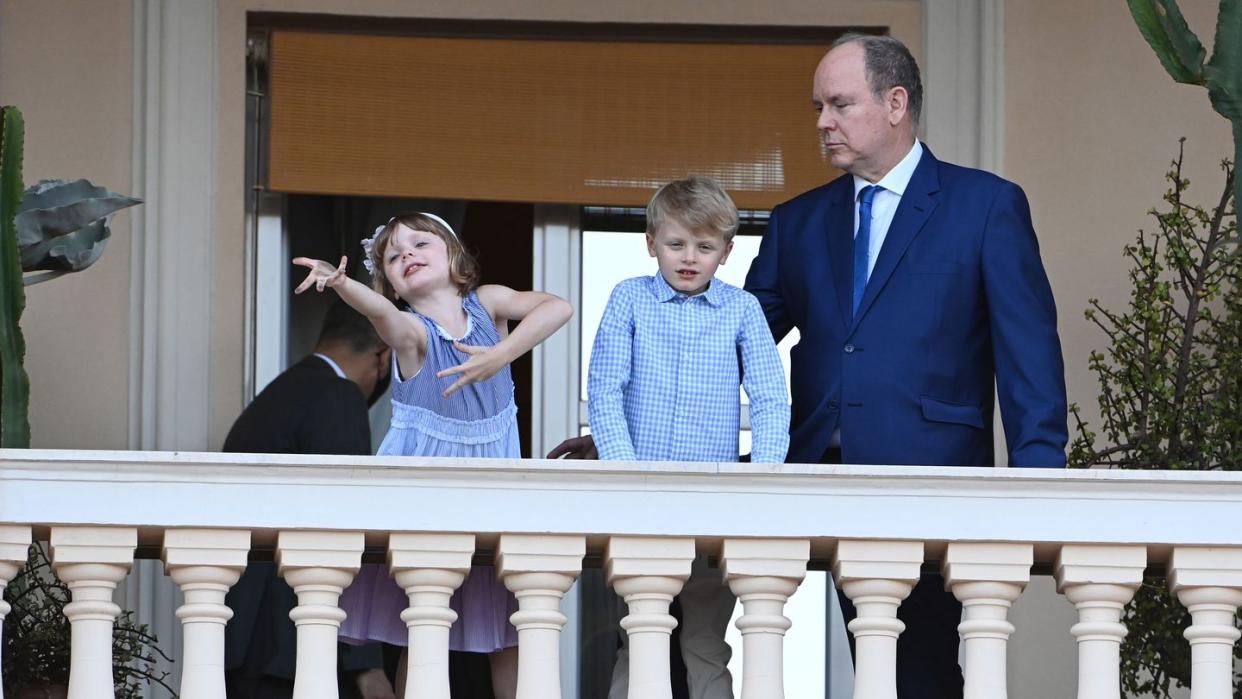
(322, 274)
(483, 364)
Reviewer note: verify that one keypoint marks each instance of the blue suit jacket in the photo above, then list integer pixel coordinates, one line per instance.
(958, 297)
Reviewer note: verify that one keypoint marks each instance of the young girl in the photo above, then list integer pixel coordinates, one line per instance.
(452, 395)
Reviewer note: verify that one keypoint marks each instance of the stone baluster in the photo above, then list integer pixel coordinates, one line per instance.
(986, 578)
(539, 570)
(648, 572)
(876, 576)
(1099, 580)
(429, 567)
(318, 566)
(91, 561)
(1208, 581)
(14, 544)
(764, 573)
(204, 563)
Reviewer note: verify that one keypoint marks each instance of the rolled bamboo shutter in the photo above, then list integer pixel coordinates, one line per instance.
(540, 120)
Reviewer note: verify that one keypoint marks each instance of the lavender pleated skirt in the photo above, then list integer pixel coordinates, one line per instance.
(373, 603)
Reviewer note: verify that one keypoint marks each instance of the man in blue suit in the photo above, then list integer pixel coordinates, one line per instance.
(917, 289)
(916, 286)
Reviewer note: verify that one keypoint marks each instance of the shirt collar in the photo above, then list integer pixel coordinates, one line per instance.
(664, 293)
(899, 177)
(335, 367)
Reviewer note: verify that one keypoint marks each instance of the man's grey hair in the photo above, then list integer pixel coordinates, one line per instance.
(889, 64)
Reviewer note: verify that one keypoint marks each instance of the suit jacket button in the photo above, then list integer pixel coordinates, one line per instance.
(849, 349)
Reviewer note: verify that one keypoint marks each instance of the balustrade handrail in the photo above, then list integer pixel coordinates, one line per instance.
(1096, 531)
(269, 492)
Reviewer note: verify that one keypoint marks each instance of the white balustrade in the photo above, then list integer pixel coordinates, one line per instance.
(204, 563)
(876, 576)
(91, 561)
(648, 572)
(872, 523)
(1208, 581)
(429, 567)
(1100, 580)
(14, 544)
(539, 570)
(764, 573)
(318, 566)
(986, 578)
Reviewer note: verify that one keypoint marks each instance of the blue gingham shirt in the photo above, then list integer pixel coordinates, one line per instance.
(664, 374)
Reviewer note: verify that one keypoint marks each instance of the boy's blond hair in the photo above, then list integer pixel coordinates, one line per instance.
(697, 203)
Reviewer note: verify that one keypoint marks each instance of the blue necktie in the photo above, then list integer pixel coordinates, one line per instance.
(862, 243)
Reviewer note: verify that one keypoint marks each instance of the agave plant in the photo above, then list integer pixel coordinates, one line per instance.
(1183, 56)
(50, 229)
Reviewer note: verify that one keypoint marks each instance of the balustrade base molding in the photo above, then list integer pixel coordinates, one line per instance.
(429, 567)
(876, 576)
(539, 570)
(648, 572)
(91, 561)
(204, 563)
(1100, 580)
(1208, 581)
(318, 566)
(764, 573)
(986, 578)
(14, 545)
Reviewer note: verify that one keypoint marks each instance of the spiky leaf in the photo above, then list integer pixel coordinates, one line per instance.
(1165, 29)
(14, 384)
(64, 225)
(1223, 74)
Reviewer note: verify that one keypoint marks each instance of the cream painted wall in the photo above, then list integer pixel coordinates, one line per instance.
(1092, 121)
(67, 65)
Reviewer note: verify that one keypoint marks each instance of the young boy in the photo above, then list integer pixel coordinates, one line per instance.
(663, 386)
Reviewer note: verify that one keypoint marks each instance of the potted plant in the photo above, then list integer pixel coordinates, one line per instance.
(48, 230)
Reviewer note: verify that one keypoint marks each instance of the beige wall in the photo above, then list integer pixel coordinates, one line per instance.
(1092, 122)
(67, 65)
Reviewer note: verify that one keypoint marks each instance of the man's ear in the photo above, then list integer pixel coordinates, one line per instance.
(897, 102)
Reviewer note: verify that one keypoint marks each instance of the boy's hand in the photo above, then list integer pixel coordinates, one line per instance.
(575, 448)
(483, 364)
(322, 274)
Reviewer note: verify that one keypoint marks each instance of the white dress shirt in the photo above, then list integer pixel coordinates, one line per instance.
(885, 202)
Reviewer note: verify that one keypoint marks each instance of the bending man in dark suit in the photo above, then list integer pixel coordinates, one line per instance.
(917, 287)
(318, 406)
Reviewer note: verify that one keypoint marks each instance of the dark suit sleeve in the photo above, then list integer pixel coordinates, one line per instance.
(763, 280)
(336, 422)
(1030, 373)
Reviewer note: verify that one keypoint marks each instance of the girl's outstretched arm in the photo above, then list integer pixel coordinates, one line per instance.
(397, 329)
(538, 315)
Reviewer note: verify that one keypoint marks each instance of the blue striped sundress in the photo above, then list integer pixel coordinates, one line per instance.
(477, 421)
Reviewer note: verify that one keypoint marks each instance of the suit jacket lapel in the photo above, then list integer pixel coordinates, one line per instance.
(840, 225)
(917, 204)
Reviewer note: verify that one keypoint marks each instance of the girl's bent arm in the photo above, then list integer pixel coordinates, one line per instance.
(538, 315)
(395, 327)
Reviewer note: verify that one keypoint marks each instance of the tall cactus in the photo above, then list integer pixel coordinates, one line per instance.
(1179, 50)
(14, 384)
